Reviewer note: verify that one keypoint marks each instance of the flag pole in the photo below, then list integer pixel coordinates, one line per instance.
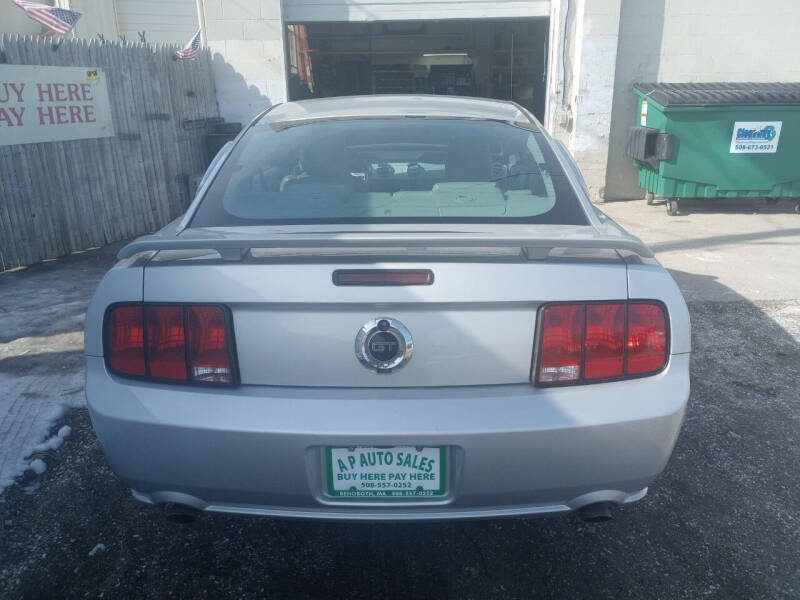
(201, 19)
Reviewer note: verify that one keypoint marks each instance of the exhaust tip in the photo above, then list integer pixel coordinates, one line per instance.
(598, 512)
(181, 514)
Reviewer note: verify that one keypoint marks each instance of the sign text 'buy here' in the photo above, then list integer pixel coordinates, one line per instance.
(46, 104)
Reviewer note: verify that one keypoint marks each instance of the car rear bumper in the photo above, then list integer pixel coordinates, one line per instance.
(513, 449)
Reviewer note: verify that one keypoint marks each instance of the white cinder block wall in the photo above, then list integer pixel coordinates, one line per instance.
(689, 41)
(579, 105)
(245, 38)
(599, 27)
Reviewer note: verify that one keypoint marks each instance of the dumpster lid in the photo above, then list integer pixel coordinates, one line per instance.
(720, 94)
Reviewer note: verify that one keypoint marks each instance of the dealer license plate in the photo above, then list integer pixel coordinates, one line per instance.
(366, 471)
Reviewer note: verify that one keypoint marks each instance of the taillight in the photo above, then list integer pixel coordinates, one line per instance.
(562, 341)
(605, 340)
(166, 342)
(598, 341)
(647, 338)
(170, 342)
(209, 358)
(125, 340)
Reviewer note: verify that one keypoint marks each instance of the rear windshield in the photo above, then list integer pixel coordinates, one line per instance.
(390, 170)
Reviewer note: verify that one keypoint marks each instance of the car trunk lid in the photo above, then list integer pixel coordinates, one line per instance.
(473, 325)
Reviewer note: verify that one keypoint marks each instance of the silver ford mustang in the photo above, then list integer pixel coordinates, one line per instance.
(389, 307)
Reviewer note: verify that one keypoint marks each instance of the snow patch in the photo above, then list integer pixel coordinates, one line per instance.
(41, 346)
(53, 443)
(97, 548)
(38, 466)
(30, 406)
(64, 431)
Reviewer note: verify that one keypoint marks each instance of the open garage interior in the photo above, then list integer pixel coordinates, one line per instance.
(492, 58)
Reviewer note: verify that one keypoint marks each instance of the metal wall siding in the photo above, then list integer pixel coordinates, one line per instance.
(398, 10)
(169, 21)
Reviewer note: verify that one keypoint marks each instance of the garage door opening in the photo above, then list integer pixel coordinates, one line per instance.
(498, 58)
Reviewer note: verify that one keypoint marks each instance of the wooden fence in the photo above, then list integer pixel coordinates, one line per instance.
(60, 197)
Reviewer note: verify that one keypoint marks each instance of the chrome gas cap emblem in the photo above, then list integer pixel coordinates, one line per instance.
(384, 344)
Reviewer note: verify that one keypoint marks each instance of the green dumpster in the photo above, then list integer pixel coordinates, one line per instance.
(717, 140)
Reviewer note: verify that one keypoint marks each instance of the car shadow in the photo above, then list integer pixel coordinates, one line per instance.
(720, 240)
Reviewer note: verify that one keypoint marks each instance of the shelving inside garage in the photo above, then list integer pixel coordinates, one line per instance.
(493, 58)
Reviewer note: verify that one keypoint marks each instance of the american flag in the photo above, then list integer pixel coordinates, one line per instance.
(189, 51)
(57, 20)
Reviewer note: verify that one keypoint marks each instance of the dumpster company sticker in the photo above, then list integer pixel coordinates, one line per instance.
(755, 137)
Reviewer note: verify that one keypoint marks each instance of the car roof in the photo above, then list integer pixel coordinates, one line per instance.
(353, 107)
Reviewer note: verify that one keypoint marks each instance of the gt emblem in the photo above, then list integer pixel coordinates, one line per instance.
(384, 344)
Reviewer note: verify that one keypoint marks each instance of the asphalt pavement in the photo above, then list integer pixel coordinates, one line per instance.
(722, 521)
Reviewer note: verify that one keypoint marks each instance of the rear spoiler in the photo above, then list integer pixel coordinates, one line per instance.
(236, 247)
